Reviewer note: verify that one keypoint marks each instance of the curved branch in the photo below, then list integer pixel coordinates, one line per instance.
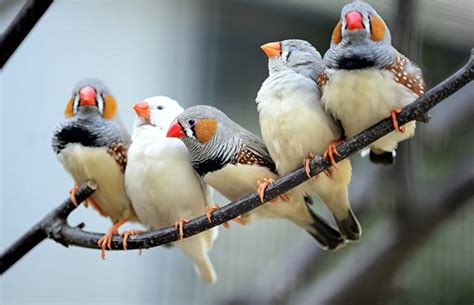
(55, 227)
(43, 229)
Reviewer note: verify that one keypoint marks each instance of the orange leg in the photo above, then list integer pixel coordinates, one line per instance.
(307, 163)
(72, 194)
(106, 240)
(331, 150)
(393, 115)
(210, 210)
(125, 235)
(262, 186)
(179, 225)
(95, 205)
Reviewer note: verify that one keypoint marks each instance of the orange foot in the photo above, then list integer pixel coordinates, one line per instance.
(307, 163)
(210, 210)
(72, 194)
(331, 150)
(180, 224)
(125, 235)
(106, 240)
(393, 115)
(262, 186)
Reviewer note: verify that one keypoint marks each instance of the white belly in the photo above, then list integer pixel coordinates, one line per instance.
(162, 183)
(90, 163)
(361, 98)
(294, 127)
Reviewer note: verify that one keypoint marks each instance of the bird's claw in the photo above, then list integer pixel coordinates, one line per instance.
(106, 240)
(307, 164)
(262, 186)
(179, 225)
(72, 194)
(393, 115)
(125, 235)
(331, 151)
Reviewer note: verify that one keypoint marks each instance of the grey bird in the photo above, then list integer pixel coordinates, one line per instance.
(91, 143)
(234, 162)
(295, 126)
(367, 79)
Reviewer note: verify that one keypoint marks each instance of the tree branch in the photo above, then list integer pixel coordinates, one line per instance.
(47, 227)
(67, 235)
(16, 32)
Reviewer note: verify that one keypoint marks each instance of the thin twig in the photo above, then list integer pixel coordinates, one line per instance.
(47, 227)
(19, 28)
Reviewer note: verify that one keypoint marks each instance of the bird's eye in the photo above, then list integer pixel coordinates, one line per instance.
(191, 122)
(288, 55)
(159, 107)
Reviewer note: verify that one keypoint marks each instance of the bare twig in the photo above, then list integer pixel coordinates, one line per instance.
(24, 21)
(67, 235)
(47, 227)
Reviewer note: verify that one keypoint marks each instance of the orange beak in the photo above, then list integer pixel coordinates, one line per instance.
(354, 21)
(175, 131)
(142, 110)
(87, 96)
(272, 49)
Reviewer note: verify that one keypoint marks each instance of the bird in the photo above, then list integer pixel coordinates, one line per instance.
(162, 184)
(367, 79)
(91, 143)
(235, 162)
(295, 126)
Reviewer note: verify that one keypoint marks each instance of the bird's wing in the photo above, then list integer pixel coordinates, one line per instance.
(407, 74)
(253, 151)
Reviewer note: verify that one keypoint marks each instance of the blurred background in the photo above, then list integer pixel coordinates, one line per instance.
(417, 216)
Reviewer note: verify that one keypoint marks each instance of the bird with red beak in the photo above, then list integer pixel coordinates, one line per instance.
(367, 79)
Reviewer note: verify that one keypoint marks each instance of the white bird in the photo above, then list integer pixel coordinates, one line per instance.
(162, 184)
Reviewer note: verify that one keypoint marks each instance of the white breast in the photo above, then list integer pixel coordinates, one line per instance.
(361, 98)
(161, 181)
(91, 163)
(293, 122)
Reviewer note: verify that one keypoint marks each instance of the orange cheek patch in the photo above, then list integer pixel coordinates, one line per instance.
(377, 28)
(205, 130)
(336, 34)
(69, 111)
(110, 107)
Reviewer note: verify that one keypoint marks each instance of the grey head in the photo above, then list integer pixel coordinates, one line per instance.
(293, 55)
(212, 138)
(91, 118)
(361, 39)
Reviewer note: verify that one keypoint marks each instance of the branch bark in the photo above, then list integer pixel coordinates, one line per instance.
(23, 23)
(47, 227)
(67, 235)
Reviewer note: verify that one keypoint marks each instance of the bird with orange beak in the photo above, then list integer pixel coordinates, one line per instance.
(91, 143)
(295, 126)
(367, 79)
(162, 184)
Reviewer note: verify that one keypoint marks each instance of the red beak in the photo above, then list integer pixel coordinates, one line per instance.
(87, 96)
(175, 131)
(354, 21)
(142, 110)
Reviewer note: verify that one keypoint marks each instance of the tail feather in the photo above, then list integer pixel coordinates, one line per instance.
(205, 269)
(327, 237)
(382, 157)
(350, 226)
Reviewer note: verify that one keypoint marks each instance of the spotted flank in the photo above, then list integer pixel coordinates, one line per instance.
(406, 74)
(118, 151)
(322, 79)
(248, 157)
